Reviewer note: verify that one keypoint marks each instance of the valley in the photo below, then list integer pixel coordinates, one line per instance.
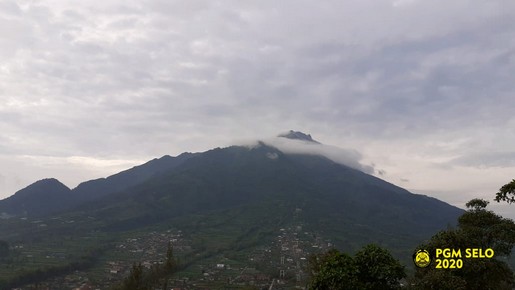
(207, 257)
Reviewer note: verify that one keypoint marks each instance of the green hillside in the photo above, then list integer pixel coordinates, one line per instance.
(244, 205)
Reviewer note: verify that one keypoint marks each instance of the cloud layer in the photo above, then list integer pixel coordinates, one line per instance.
(423, 89)
(347, 157)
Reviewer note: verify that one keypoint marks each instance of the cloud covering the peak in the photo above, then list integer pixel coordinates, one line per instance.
(348, 157)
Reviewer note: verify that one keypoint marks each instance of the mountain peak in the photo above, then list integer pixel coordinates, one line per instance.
(45, 185)
(43, 196)
(297, 135)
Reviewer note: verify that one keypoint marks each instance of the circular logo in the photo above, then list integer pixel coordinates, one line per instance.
(422, 258)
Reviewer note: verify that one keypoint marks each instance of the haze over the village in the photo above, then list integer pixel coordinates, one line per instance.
(421, 92)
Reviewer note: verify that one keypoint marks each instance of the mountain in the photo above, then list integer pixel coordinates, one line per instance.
(42, 197)
(260, 183)
(296, 135)
(226, 204)
(344, 203)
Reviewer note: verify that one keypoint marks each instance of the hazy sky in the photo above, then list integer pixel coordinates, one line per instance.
(422, 91)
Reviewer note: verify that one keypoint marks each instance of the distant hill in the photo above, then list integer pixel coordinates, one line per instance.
(42, 197)
(49, 196)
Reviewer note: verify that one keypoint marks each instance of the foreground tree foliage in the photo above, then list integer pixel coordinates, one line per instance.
(136, 280)
(377, 269)
(371, 268)
(506, 193)
(333, 270)
(154, 278)
(477, 228)
(4, 249)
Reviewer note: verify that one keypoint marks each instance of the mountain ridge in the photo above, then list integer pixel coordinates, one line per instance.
(30, 200)
(93, 189)
(223, 178)
(236, 176)
(236, 200)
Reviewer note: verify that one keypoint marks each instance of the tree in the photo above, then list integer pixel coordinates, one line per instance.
(477, 204)
(136, 280)
(333, 270)
(372, 268)
(377, 269)
(170, 260)
(506, 193)
(477, 228)
(4, 249)
(440, 280)
(155, 277)
(484, 229)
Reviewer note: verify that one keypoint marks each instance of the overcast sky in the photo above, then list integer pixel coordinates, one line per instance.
(422, 91)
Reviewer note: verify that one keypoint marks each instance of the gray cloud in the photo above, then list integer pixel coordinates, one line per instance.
(486, 159)
(113, 80)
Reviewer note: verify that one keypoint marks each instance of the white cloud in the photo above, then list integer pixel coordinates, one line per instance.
(347, 157)
(417, 87)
